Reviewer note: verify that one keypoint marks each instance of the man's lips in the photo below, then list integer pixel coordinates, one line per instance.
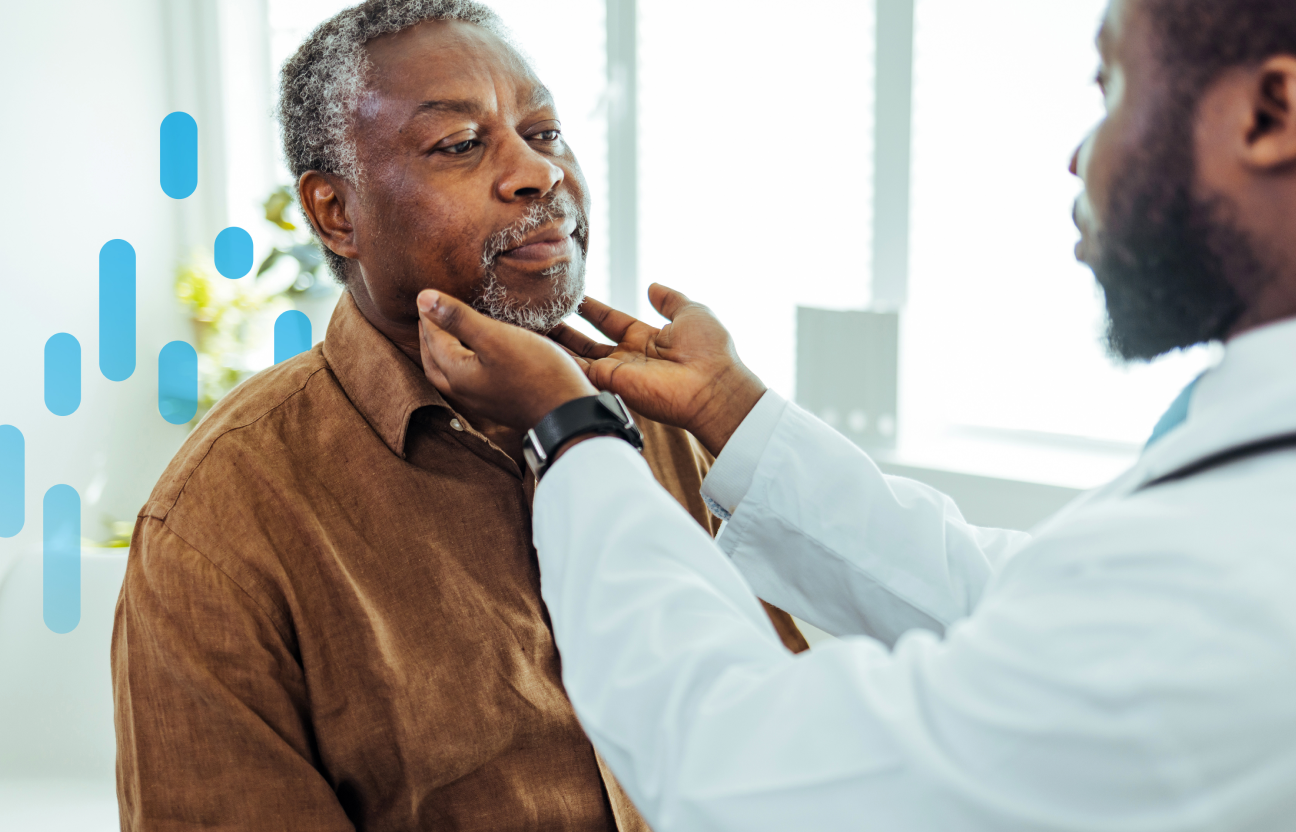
(550, 248)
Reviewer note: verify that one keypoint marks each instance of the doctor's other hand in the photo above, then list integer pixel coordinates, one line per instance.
(686, 374)
(507, 374)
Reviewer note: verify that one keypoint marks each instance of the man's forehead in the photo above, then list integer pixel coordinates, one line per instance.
(528, 98)
(449, 60)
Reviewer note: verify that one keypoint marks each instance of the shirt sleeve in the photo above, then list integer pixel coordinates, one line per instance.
(210, 702)
(818, 530)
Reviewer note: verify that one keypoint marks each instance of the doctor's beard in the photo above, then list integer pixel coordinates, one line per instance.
(1169, 261)
(491, 297)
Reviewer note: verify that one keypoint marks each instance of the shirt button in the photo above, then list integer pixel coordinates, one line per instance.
(456, 424)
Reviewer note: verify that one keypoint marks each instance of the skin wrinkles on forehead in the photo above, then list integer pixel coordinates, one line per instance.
(539, 98)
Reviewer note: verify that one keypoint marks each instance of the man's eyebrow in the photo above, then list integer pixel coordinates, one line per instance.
(459, 106)
(540, 97)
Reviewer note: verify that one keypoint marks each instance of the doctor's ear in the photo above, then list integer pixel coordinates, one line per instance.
(1271, 132)
(324, 201)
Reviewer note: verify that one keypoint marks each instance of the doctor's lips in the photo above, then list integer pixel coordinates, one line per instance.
(545, 244)
(1081, 246)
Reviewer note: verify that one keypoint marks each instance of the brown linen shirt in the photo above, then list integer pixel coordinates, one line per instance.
(331, 617)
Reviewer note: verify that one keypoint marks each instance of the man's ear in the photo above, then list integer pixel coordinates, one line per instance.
(324, 200)
(1271, 137)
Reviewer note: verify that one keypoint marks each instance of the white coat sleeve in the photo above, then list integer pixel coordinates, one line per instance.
(818, 530)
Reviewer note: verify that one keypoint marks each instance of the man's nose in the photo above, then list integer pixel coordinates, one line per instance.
(527, 173)
(1075, 161)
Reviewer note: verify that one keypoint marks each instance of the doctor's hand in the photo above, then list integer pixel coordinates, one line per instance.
(507, 374)
(685, 374)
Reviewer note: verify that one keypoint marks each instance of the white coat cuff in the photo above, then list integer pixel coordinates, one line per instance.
(731, 476)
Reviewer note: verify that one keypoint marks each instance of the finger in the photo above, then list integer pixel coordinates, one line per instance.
(430, 368)
(581, 362)
(455, 317)
(611, 322)
(667, 301)
(602, 373)
(578, 343)
(443, 355)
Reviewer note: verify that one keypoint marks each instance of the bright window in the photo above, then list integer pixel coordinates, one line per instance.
(756, 162)
(1002, 327)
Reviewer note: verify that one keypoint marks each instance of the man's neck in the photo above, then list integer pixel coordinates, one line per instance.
(405, 335)
(1275, 302)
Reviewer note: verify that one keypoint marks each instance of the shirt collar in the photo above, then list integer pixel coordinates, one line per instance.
(1249, 396)
(380, 380)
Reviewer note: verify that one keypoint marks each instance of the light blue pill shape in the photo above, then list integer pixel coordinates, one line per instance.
(177, 382)
(13, 464)
(178, 155)
(292, 335)
(117, 310)
(61, 560)
(62, 374)
(233, 250)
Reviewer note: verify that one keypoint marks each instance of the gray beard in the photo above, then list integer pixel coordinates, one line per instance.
(491, 297)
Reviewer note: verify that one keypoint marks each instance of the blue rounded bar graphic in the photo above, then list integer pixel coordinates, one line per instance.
(117, 310)
(233, 250)
(62, 374)
(179, 155)
(292, 335)
(61, 561)
(13, 465)
(178, 382)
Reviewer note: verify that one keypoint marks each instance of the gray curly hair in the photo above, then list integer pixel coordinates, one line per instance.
(320, 85)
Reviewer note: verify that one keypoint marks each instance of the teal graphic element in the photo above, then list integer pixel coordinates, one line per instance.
(178, 382)
(233, 250)
(117, 310)
(62, 374)
(292, 335)
(62, 559)
(13, 465)
(179, 155)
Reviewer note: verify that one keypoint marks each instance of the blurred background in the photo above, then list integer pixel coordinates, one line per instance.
(873, 196)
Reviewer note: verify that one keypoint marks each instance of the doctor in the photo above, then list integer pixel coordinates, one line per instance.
(1130, 666)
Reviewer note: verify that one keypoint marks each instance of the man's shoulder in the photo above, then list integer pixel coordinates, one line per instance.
(244, 420)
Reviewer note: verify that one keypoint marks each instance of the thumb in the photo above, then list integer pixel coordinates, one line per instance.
(667, 301)
(452, 315)
(444, 358)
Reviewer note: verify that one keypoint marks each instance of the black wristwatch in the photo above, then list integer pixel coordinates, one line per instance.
(604, 413)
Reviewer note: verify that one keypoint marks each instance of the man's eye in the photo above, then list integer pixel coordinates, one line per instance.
(460, 148)
(548, 135)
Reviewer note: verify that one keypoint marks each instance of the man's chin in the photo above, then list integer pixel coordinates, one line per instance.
(539, 312)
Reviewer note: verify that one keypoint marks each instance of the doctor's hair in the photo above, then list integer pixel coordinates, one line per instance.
(1197, 41)
(320, 86)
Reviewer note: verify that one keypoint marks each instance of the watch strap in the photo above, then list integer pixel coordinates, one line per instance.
(601, 414)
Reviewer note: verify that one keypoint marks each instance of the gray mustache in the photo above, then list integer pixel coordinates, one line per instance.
(554, 209)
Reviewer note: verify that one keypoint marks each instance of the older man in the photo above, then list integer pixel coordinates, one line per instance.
(331, 617)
